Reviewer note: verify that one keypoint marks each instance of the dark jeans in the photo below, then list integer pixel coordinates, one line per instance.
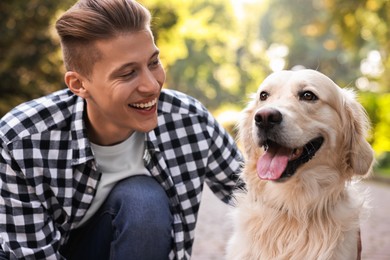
(135, 222)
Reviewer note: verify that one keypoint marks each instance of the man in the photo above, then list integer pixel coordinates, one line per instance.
(112, 167)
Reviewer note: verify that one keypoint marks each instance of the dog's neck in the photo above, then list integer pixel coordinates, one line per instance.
(297, 207)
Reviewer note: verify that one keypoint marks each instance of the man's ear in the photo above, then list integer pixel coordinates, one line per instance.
(75, 83)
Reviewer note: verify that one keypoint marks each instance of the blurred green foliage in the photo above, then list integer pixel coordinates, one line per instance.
(347, 40)
(204, 53)
(219, 51)
(30, 59)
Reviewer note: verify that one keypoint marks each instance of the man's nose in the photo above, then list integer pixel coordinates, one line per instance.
(148, 82)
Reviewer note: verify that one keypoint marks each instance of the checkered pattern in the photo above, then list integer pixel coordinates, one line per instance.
(48, 174)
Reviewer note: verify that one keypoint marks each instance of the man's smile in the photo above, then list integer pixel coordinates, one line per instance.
(144, 106)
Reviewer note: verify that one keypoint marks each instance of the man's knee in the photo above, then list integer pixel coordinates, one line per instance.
(141, 203)
(143, 218)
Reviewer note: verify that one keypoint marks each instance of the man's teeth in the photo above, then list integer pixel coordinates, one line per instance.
(144, 105)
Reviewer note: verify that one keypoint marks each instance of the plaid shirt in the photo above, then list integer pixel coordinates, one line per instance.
(48, 174)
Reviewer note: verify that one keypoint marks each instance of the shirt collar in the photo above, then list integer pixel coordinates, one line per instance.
(81, 146)
(82, 151)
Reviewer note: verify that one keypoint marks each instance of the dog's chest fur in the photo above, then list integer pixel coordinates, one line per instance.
(274, 222)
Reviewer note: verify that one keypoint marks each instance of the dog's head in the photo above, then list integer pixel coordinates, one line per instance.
(298, 120)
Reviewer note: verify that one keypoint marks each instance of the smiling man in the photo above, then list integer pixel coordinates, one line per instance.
(112, 167)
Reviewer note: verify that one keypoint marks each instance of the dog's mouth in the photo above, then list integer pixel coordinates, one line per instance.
(279, 162)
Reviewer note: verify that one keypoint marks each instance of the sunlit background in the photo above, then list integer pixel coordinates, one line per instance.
(219, 51)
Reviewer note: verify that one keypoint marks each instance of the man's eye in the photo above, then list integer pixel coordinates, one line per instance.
(307, 96)
(264, 95)
(129, 74)
(155, 63)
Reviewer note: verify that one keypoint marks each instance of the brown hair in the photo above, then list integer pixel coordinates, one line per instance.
(91, 20)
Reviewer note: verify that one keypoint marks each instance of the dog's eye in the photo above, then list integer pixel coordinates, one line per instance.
(263, 95)
(307, 96)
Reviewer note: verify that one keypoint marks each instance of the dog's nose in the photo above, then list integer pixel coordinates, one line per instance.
(267, 118)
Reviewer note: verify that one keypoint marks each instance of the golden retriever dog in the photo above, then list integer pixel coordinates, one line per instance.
(304, 143)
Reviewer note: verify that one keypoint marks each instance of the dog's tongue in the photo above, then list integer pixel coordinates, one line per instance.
(273, 162)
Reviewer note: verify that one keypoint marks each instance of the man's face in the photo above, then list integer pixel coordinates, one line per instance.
(124, 87)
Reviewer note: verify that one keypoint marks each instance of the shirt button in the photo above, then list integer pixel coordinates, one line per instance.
(90, 190)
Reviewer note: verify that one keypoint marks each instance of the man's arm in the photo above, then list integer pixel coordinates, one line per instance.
(26, 231)
(225, 161)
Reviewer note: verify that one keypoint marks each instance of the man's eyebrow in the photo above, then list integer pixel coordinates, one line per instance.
(116, 71)
(156, 53)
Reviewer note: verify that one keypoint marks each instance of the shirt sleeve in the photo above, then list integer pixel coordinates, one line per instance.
(225, 161)
(26, 230)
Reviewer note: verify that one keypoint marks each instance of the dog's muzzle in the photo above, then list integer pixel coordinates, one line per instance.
(279, 162)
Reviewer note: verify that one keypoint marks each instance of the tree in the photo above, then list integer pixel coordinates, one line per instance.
(30, 58)
(364, 27)
(203, 52)
(304, 27)
(347, 40)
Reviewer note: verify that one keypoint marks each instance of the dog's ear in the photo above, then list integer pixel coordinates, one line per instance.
(356, 126)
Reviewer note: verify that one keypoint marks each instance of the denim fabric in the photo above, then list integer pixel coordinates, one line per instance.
(2, 255)
(135, 222)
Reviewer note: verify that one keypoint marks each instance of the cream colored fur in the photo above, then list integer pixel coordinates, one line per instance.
(315, 213)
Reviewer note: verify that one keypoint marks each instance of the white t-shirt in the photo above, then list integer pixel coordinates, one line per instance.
(116, 163)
